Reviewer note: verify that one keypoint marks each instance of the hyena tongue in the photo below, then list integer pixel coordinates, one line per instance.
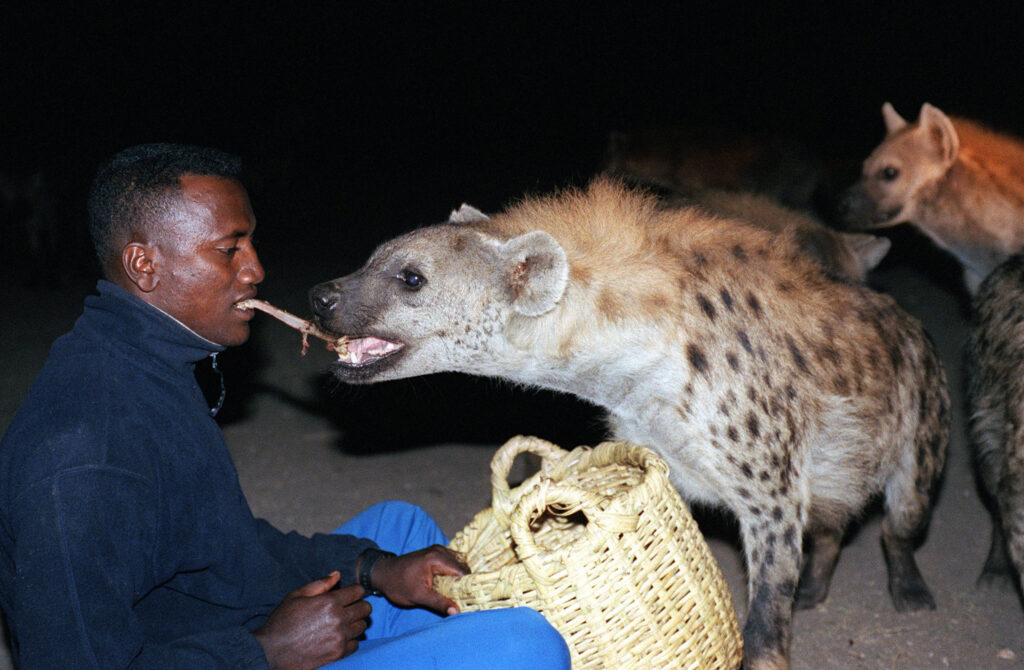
(366, 349)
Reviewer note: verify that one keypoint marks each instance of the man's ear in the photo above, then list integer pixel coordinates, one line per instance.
(536, 272)
(137, 265)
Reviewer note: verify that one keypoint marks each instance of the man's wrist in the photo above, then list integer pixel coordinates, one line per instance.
(367, 560)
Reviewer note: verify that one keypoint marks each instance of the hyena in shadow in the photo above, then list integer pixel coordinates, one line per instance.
(770, 387)
(996, 392)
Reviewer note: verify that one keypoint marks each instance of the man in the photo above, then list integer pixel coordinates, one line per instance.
(126, 540)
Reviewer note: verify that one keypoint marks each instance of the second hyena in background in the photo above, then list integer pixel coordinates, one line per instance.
(996, 392)
(958, 182)
(771, 389)
(849, 256)
(687, 159)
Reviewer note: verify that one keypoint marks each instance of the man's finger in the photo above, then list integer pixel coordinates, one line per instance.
(320, 586)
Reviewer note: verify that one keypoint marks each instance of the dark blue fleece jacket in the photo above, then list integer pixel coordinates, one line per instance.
(125, 538)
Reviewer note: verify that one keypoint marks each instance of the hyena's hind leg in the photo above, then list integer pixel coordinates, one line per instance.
(821, 553)
(1010, 495)
(908, 502)
(998, 571)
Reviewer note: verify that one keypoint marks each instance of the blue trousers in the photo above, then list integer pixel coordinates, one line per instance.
(413, 639)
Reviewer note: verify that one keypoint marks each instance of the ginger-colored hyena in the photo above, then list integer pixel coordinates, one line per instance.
(996, 392)
(958, 182)
(769, 388)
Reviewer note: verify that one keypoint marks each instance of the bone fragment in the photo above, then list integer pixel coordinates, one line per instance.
(307, 328)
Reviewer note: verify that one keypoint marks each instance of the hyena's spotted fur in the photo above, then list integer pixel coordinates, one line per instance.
(770, 388)
(996, 391)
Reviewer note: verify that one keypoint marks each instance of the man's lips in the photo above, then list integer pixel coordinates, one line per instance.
(245, 312)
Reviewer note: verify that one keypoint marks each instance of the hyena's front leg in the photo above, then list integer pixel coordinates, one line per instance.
(772, 540)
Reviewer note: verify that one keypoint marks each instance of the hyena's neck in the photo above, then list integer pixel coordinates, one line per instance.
(976, 219)
(611, 368)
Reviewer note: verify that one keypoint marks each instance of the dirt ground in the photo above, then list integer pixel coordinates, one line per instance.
(311, 453)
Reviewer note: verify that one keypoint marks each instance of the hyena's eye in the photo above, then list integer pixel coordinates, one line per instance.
(413, 280)
(888, 173)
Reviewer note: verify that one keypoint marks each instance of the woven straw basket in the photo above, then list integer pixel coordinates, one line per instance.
(601, 544)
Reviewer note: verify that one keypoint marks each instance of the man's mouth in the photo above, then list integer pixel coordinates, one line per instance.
(243, 306)
(366, 350)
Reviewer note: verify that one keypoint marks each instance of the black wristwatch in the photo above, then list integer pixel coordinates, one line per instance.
(369, 559)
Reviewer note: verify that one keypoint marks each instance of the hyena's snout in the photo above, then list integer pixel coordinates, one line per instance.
(857, 209)
(324, 300)
(861, 207)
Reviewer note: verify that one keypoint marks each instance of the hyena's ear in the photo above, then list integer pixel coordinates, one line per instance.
(893, 121)
(868, 249)
(941, 131)
(536, 272)
(466, 213)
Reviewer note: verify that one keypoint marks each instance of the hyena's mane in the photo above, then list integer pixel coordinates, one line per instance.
(634, 261)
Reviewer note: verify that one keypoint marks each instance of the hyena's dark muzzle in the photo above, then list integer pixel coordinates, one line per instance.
(859, 211)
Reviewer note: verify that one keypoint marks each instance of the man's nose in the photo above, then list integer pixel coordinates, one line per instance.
(252, 271)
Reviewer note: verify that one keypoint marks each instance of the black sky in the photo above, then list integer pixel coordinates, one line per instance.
(396, 111)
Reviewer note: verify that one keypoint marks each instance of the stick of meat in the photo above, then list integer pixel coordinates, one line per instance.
(338, 344)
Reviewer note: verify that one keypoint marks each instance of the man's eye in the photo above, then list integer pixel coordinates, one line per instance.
(412, 279)
(228, 251)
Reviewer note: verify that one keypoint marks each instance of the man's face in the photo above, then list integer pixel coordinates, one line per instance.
(205, 260)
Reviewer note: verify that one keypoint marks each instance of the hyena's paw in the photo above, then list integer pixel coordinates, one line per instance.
(998, 573)
(906, 585)
(911, 594)
(809, 597)
(995, 578)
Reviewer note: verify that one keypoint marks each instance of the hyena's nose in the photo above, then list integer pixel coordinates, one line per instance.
(323, 298)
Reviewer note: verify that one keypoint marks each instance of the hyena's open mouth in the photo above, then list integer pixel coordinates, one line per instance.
(365, 357)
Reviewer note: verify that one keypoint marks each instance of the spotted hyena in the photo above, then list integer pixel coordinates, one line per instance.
(770, 388)
(996, 392)
(959, 183)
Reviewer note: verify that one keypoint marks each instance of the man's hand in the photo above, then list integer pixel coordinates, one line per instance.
(408, 580)
(314, 625)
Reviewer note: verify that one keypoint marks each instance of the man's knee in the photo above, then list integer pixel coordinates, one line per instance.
(524, 638)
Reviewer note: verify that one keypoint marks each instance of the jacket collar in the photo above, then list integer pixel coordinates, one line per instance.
(118, 315)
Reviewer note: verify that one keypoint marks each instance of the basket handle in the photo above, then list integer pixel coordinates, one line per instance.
(502, 499)
(562, 499)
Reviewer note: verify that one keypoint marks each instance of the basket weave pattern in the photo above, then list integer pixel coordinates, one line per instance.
(600, 543)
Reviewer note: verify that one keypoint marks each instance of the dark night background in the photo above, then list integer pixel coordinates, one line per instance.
(361, 120)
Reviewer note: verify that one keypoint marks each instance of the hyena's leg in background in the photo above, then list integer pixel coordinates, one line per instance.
(1011, 501)
(771, 538)
(821, 552)
(989, 457)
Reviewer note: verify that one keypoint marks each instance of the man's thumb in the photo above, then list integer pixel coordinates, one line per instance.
(320, 586)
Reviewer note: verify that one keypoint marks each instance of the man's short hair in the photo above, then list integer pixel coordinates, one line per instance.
(135, 189)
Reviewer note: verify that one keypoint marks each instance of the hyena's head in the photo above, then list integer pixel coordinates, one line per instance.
(437, 299)
(898, 175)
